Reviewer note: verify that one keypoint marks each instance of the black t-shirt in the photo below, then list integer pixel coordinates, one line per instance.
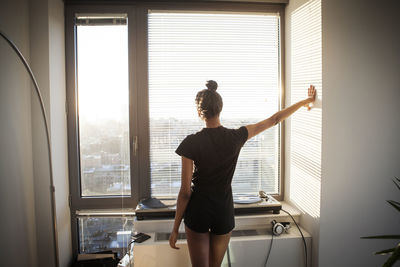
(215, 152)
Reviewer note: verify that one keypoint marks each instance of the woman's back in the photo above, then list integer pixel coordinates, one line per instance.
(215, 152)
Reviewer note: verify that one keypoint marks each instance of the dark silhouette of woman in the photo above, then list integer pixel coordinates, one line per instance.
(209, 159)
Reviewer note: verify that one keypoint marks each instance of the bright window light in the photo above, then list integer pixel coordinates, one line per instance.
(306, 127)
(240, 52)
(103, 110)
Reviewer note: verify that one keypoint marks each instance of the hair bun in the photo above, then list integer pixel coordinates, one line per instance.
(212, 85)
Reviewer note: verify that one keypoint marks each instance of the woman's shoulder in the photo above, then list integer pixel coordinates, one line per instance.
(239, 134)
(239, 129)
(193, 137)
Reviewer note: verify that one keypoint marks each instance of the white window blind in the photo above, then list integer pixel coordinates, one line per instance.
(306, 127)
(240, 52)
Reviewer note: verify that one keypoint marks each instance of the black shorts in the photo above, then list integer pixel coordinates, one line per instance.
(210, 212)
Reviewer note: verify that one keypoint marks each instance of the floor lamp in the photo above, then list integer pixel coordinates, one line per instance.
(52, 188)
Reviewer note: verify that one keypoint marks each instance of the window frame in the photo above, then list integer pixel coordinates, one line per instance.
(138, 96)
(76, 200)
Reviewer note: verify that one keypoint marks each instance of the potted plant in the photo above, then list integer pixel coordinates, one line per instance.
(395, 251)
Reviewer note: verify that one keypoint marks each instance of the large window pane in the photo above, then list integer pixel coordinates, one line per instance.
(102, 58)
(240, 52)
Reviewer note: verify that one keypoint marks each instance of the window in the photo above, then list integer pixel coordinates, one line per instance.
(103, 107)
(132, 76)
(240, 52)
(306, 128)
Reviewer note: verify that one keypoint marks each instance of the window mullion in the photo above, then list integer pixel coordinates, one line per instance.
(141, 72)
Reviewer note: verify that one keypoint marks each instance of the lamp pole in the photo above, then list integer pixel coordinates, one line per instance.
(52, 188)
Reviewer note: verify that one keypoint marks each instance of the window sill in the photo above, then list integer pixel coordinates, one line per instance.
(242, 222)
(105, 212)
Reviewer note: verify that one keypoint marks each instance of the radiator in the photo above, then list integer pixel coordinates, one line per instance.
(247, 248)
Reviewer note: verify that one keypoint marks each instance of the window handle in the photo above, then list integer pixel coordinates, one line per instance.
(135, 145)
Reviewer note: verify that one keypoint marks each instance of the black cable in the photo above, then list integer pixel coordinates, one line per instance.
(229, 258)
(270, 246)
(302, 236)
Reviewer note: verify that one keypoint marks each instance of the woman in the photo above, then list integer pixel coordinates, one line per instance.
(208, 161)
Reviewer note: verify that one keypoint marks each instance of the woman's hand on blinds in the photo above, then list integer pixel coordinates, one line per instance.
(312, 94)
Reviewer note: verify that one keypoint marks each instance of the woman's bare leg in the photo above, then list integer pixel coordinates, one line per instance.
(218, 246)
(199, 247)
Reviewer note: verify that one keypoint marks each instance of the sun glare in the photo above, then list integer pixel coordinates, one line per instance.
(102, 72)
(103, 102)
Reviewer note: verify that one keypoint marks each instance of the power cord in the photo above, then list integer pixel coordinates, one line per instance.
(229, 258)
(302, 236)
(128, 253)
(272, 240)
(270, 246)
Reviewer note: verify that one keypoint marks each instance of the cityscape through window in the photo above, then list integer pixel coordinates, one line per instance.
(103, 97)
(185, 49)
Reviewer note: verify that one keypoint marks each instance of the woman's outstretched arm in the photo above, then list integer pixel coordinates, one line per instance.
(254, 129)
(183, 198)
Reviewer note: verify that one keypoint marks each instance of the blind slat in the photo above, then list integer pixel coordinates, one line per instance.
(240, 52)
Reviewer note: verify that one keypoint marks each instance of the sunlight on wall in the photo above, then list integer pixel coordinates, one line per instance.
(305, 135)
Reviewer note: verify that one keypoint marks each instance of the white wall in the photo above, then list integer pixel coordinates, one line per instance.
(361, 126)
(303, 133)
(37, 27)
(39, 47)
(58, 122)
(48, 63)
(17, 226)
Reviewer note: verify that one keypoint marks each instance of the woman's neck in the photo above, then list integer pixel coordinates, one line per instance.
(213, 122)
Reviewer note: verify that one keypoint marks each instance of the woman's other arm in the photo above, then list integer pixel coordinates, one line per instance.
(254, 129)
(183, 198)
